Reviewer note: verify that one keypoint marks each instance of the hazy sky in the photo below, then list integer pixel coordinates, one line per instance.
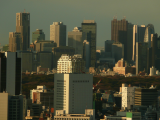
(72, 12)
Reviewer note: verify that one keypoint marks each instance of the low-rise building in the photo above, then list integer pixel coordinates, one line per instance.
(89, 115)
(122, 68)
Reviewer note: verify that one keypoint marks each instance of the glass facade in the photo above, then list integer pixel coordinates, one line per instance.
(90, 30)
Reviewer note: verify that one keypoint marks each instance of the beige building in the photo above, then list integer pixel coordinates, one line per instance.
(121, 67)
(23, 27)
(75, 40)
(58, 33)
(73, 92)
(70, 64)
(15, 41)
(61, 115)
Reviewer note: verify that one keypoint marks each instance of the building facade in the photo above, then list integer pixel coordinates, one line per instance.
(23, 27)
(141, 57)
(70, 64)
(38, 35)
(117, 51)
(89, 27)
(73, 92)
(45, 45)
(75, 40)
(13, 107)
(58, 51)
(15, 41)
(10, 77)
(147, 37)
(58, 33)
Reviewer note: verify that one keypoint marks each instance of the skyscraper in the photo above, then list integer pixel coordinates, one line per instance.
(58, 33)
(23, 27)
(89, 27)
(75, 40)
(122, 31)
(119, 27)
(73, 92)
(10, 77)
(15, 40)
(38, 35)
(154, 51)
(138, 36)
(141, 56)
(149, 30)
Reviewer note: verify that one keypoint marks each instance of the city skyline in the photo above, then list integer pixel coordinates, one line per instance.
(136, 12)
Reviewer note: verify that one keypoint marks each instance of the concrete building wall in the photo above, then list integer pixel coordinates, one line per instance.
(72, 95)
(4, 106)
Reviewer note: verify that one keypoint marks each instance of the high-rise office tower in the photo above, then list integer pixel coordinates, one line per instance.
(10, 77)
(15, 40)
(138, 36)
(89, 27)
(119, 27)
(23, 27)
(75, 40)
(149, 30)
(122, 31)
(141, 57)
(58, 33)
(154, 56)
(38, 35)
(73, 92)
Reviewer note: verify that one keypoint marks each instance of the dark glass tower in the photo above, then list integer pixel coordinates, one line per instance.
(23, 27)
(89, 27)
(10, 73)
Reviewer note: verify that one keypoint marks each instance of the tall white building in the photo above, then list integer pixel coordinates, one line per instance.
(127, 96)
(75, 40)
(70, 64)
(73, 92)
(58, 33)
